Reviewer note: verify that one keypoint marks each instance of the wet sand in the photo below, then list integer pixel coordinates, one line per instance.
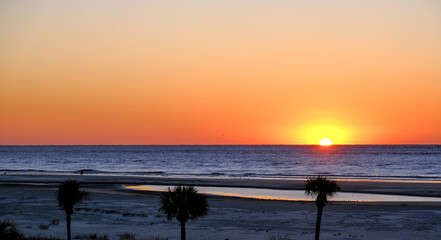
(409, 188)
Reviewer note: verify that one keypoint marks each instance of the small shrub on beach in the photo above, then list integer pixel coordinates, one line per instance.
(9, 231)
(156, 238)
(126, 214)
(126, 236)
(92, 237)
(279, 237)
(110, 211)
(41, 238)
(43, 226)
(55, 221)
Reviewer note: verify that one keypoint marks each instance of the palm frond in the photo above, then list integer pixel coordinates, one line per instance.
(69, 194)
(183, 203)
(321, 187)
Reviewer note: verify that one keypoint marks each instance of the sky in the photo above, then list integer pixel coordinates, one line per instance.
(220, 72)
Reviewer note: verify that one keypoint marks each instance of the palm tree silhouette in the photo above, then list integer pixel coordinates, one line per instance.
(183, 203)
(68, 195)
(323, 188)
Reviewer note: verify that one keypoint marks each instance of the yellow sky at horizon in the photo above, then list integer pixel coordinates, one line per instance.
(230, 72)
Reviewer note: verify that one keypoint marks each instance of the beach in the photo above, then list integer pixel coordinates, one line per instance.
(259, 120)
(29, 200)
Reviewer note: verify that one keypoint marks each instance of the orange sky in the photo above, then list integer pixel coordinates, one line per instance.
(224, 72)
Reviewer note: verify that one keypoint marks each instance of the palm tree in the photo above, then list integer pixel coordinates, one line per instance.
(183, 203)
(68, 195)
(323, 188)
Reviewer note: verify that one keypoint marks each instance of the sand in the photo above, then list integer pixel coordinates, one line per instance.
(29, 200)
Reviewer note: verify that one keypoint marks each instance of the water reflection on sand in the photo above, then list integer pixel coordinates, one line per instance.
(290, 195)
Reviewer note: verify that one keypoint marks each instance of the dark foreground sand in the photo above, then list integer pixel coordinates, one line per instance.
(30, 200)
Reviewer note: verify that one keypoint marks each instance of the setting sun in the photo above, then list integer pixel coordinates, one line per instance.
(325, 142)
(315, 132)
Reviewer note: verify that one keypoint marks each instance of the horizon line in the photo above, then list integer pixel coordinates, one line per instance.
(370, 144)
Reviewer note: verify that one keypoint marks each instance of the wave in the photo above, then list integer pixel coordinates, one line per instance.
(225, 175)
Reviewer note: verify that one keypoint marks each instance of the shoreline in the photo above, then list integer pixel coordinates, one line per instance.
(420, 189)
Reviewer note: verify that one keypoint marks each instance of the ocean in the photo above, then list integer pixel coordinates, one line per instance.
(378, 162)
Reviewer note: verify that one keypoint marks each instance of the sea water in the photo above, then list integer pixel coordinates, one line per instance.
(389, 162)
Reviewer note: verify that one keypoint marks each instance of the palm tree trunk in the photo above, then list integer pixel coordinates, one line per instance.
(317, 223)
(182, 231)
(68, 226)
